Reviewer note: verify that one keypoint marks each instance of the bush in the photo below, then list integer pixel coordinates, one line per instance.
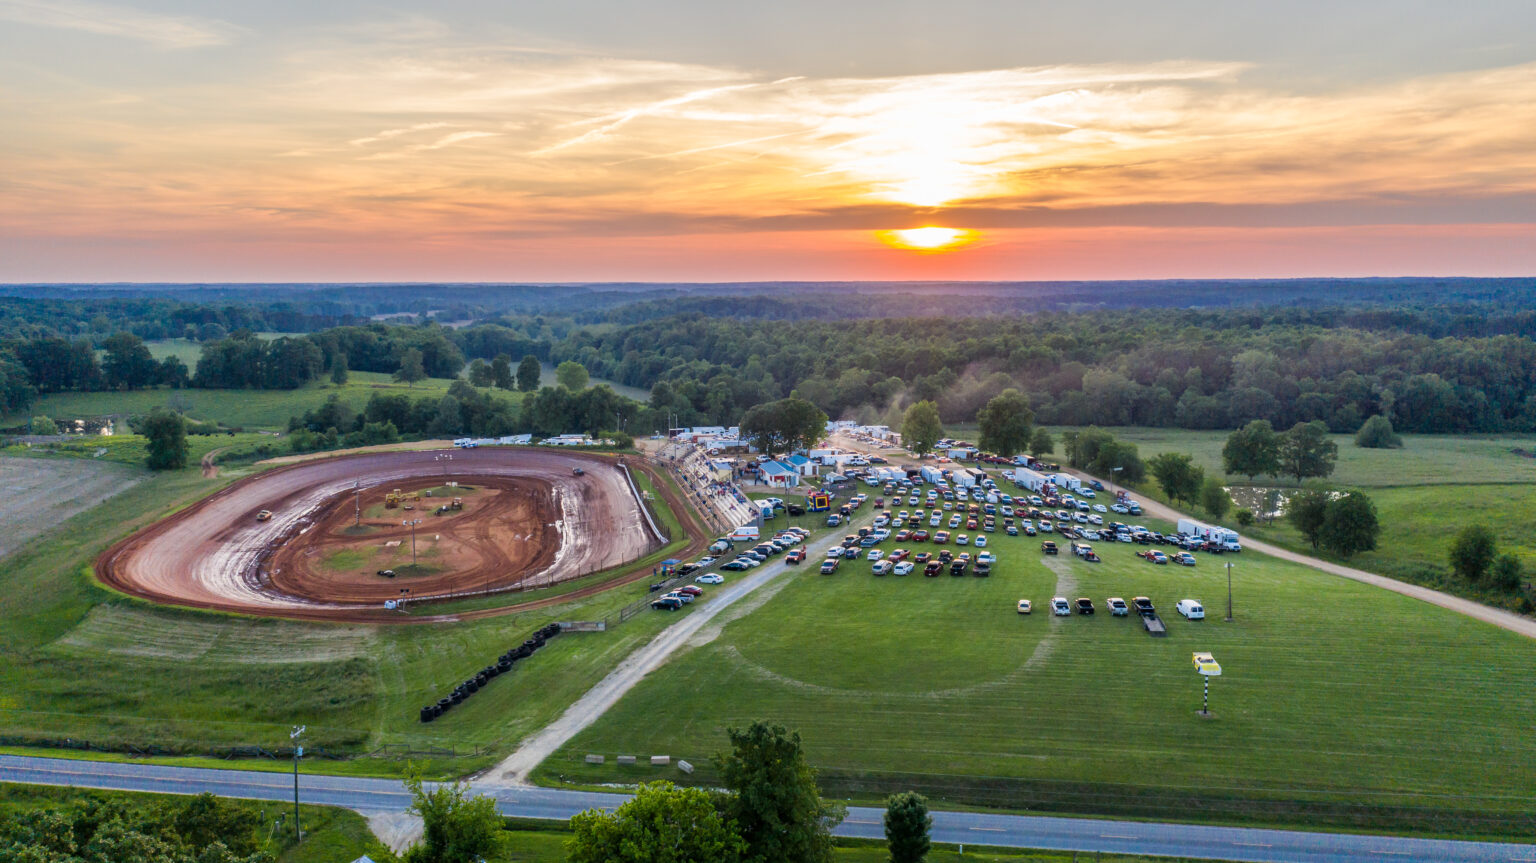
(1507, 573)
(1473, 551)
(1377, 433)
(1244, 517)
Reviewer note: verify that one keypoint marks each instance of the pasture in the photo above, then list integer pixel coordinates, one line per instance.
(253, 409)
(1340, 704)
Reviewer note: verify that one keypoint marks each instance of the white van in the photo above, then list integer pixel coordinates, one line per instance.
(1191, 609)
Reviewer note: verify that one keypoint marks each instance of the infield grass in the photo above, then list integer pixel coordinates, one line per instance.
(1340, 704)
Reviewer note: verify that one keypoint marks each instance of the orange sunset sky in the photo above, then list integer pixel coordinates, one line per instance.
(689, 141)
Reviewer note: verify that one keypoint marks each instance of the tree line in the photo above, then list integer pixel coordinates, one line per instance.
(1188, 369)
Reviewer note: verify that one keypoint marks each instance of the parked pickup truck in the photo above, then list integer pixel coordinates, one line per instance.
(1117, 606)
(1048, 547)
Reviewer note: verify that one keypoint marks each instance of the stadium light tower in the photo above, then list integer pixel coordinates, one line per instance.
(444, 458)
(411, 523)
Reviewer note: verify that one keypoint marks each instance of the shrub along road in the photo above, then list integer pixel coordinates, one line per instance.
(1011, 831)
(1476, 610)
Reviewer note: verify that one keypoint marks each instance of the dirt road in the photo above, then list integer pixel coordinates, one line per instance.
(515, 769)
(215, 554)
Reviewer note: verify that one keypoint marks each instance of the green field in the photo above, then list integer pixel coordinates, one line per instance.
(254, 409)
(1341, 704)
(86, 665)
(1424, 493)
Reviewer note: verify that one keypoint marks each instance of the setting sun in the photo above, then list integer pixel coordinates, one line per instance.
(929, 238)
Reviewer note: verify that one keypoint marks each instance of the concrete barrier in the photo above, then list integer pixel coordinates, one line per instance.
(684, 766)
(626, 759)
(595, 759)
(660, 760)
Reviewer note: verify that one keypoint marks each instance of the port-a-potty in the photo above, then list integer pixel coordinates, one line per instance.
(1207, 667)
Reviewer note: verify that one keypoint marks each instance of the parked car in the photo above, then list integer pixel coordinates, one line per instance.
(1191, 609)
(962, 539)
(1117, 606)
(874, 554)
(922, 558)
(829, 565)
(1025, 607)
(667, 603)
(1184, 558)
(1084, 605)
(1060, 607)
(981, 542)
(1048, 547)
(736, 565)
(903, 568)
(958, 567)
(881, 567)
(933, 568)
(710, 578)
(690, 590)
(1011, 530)
(941, 537)
(795, 556)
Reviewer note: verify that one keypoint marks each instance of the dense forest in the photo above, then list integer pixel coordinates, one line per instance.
(1463, 365)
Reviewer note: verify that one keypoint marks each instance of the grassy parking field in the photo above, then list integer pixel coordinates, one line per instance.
(1341, 704)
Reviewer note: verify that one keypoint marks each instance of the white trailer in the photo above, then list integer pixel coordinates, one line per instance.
(1227, 539)
(1066, 481)
(1030, 479)
(931, 473)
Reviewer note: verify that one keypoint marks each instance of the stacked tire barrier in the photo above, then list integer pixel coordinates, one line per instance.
(504, 663)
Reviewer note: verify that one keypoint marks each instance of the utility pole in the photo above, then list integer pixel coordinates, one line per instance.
(1229, 591)
(357, 501)
(298, 752)
(411, 523)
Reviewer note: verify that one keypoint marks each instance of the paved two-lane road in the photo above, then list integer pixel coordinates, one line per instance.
(1014, 831)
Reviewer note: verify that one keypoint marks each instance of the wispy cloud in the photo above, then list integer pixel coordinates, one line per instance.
(165, 31)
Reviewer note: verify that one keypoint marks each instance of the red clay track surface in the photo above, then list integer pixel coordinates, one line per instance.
(527, 521)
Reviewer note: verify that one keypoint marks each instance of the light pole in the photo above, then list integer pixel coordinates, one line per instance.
(411, 523)
(444, 458)
(1229, 591)
(298, 752)
(357, 501)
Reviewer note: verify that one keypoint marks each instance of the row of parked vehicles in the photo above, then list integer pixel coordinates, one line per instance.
(1191, 609)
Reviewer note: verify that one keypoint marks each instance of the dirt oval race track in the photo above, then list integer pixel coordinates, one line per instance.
(528, 521)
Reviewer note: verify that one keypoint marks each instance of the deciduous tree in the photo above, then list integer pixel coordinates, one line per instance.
(528, 374)
(411, 369)
(1306, 451)
(776, 804)
(660, 824)
(572, 375)
(1377, 433)
(1349, 525)
(1473, 552)
(1307, 511)
(1214, 498)
(1041, 443)
(455, 828)
(501, 372)
(1177, 475)
(167, 434)
(920, 427)
(1006, 423)
(1252, 450)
